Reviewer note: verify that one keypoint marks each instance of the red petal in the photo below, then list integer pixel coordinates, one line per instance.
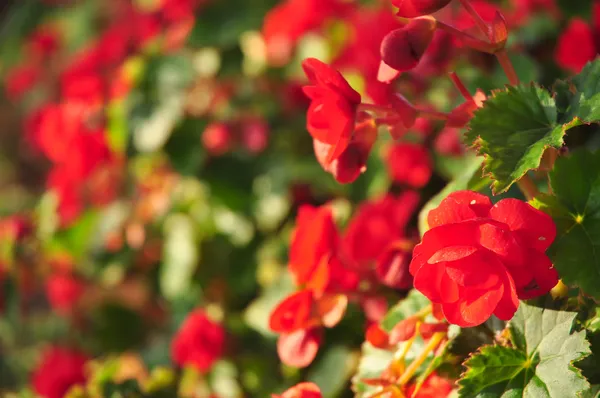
(459, 206)
(299, 349)
(322, 74)
(404, 330)
(452, 253)
(426, 330)
(433, 281)
(535, 227)
(474, 308)
(545, 276)
(303, 390)
(377, 336)
(508, 304)
(391, 268)
(375, 308)
(502, 243)
(477, 271)
(331, 309)
(293, 313)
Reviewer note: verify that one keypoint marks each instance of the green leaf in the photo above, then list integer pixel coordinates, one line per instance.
(410, 305)
(512, 130)
(516, 125)
(575, 208)
(540, 364)
(332, 372)
(469, 179)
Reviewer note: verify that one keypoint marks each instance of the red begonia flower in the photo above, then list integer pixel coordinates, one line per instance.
(403, 48)
(59, 370)
(301, 390)
(376, 225)
(409, 164)
(477, 259)
(392, 266)
(315, 236)
(434, 386)
(332, 112)
(352, 161)
(299, 348)
(576, 46)
(415, 8)
(199, 342)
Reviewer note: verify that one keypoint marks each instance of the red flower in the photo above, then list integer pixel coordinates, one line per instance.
(434, 386)
(332, 112)
(302, 390)
(415, 8)
(21, 79)
(59, 370)
(409, 164)
(199, 342)
(217, 138)
(352, 161)
(63, 292)
(478, 259)
(576, 46)
(299, 348)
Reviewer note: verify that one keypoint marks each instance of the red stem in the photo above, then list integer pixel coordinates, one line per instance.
(481, 24)
(461, 87)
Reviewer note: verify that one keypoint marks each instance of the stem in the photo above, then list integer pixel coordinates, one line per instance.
(427, 372)
(435, 340)
(528, 187)
(461, 87)
(481, 24)
(507, 66)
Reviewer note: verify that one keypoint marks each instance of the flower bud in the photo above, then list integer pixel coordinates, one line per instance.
(403, 48)
(417, 8)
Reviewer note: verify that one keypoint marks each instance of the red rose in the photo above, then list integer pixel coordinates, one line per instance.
(59, 370)
(332, 112)
(199, 342)
(409, 164)
(478, 259)
(301, 390)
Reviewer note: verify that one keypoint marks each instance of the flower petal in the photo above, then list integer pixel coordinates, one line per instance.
(459, 206)
(474, 308)
(299, 349)
(433, 281)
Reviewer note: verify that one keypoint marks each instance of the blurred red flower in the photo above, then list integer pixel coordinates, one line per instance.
(199, 342)
(63, 291)
(434, 386)
(409, 164)
(576, 46)
(478, 259)
(415, 8)
(301, 390)
(58, 371)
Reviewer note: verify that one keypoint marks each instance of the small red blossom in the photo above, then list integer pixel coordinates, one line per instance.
(332, 112)
(301, 390)
(58, 371)
(217, 138)
(199, 342)
(409, 164)
(576, 46)
(299, 348)
(478, 259)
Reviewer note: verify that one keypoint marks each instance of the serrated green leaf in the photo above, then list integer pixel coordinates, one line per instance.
(540, 365)
(512, 130)
(575, 209)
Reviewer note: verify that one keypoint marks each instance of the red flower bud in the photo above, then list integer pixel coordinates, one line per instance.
(416, 8)
(403, 48)
(392, 268)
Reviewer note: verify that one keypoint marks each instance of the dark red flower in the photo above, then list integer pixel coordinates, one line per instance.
(415, 8)
(576, 46)
(58, 371)
(478, 259)
(63, 291)
(409, 164)
(332, 112)
(301, 390)
(199, 342)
